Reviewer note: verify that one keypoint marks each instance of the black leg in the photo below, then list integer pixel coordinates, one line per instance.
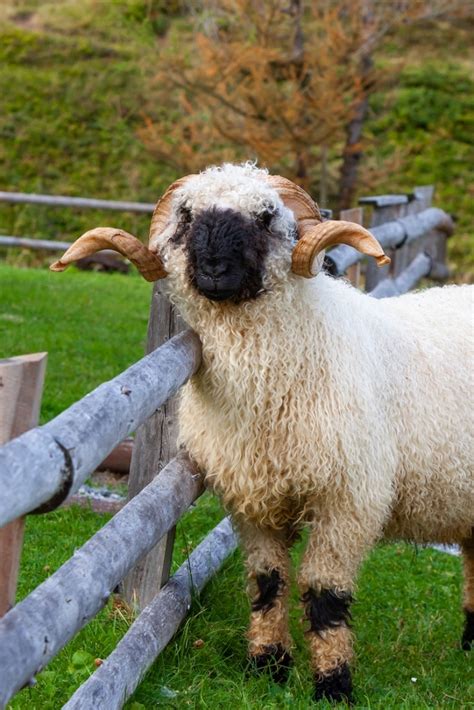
(335, 686)
(467, 641)
(328, 613)
(276, 660)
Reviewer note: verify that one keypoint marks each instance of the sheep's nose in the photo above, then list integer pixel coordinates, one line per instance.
(214, 271)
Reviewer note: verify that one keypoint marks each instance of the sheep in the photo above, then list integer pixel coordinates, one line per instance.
(316, 405)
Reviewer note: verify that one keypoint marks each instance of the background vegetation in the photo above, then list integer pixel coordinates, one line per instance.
(85, 110)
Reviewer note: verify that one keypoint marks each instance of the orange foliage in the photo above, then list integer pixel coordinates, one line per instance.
(273, 80)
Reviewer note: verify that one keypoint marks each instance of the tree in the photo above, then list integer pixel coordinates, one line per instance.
(376, 21)
(285, 82)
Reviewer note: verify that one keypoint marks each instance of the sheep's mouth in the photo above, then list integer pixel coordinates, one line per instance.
(230, 296)
(218, 295)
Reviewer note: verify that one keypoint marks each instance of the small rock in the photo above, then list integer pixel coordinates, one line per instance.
(168, 692)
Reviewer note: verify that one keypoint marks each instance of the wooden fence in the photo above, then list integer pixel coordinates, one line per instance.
(42, 467)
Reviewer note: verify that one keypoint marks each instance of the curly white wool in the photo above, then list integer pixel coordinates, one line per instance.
(316, 400)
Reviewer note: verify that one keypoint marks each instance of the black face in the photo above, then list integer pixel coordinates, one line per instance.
(226, 254)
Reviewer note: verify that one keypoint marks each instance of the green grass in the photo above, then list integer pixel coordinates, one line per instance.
(407, 622)
(49, 541)
(93, 326)
(407, 617)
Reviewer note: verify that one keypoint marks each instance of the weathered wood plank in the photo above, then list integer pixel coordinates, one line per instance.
(39, 626)
(433, 243)
(11, 543)
(43, 244)
(29, 243)
(381, 201)
(155, 445)
(420, 200)
(116, 679)
(419, 267)
(79, 202)
(393, 234)
(385, 210)
(356, 215)
(21, 387)
(48, 463)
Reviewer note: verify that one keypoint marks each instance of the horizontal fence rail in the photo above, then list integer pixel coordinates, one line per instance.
(38, 627)
(78, 202)
(392, 235)
(31, 243)
(116, 679)
(39, 469)
(381, 201)
(420, 267)
(42, 244)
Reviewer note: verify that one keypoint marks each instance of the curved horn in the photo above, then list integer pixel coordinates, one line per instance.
(316, 235)
(298, 201)
(327, 234)
(147, 262)
(161, 213)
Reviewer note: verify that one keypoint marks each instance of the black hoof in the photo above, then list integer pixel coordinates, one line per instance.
(335, 687)
(467, 642)
(276, 660)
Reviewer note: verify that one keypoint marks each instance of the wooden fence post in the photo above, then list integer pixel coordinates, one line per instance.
(385, 209)
(354, 214)
(21, 387)
(154, 447)
(421, 200)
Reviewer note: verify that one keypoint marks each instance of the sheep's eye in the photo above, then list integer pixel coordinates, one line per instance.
(184, 220)
(265, 218)
(185, 215)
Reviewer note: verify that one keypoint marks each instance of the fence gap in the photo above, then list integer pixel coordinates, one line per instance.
(21, 387)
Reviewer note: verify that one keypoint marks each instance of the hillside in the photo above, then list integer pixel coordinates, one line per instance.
(74, 79)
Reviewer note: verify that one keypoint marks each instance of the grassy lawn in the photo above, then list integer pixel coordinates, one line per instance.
(407, 617)
(407, 620)
(92, 327)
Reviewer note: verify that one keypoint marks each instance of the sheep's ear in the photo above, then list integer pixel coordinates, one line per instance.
(304, 260)
(147, 262)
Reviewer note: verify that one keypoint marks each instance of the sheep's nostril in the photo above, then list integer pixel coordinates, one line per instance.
(214, 271)
(220, 270)
(206, 270)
